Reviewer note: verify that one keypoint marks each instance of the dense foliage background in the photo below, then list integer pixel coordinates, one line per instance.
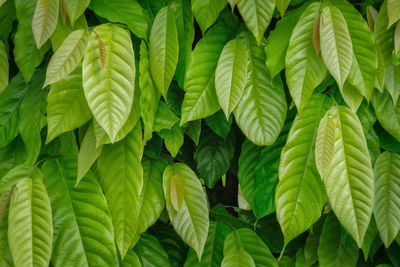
(199, 133)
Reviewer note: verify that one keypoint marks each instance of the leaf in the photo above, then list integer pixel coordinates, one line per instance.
(44, 20)
(331, 250)
(122, 180)
(213, 157)
(219, 124)
(325, 143)
(66, 99)
(230, 75)
(193, 130)
(109, 90)
(13, 176)
(6, 259)
(67, 57)
(83, 233)
(257, 15)
(191, 222)
(367, 116)
(4, 67)
(393, 11)
(370, 235)
(173, 139)
(163, 49)
(236, 258)
(247, 240)
(7, 18)
(200, 98)
(30, 231)
(282, 5)
(304, 68)
(349, 180)
(75, 9)
(373, 144)
(63, 30)
(380, 71)
(124, 11)
(150, 252)
(336, 45)
(261, 111)
(164, 118)
(387, 200)
(131, 260)
(213, 249)
(300, 195)
(206, 12)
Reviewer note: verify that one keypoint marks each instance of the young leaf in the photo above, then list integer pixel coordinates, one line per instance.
(67, 57)
(109, 90)
(4, 67)
(191, 221)
(163, 49)
(336, 46)
(63, 30)
(206, 12)
(393, 11)
(387, 196)
(75, 8)
(230, 75)
(44, 20)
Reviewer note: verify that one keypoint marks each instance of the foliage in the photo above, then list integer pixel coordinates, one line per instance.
(199, 133)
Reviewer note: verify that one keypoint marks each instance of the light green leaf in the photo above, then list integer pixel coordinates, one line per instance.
(230, 75)
(369, 238)
(44, 20)
(213, 249)
(393, 11)
(350, 94)
(83, 232)
(300, 195)
(30, 230)
(282, 5)
(191, 222)
(261, 111)
(6, 259)
(150, 252)
(66, 99)
(164, 118)
(206, 12)
(13, 176)
(200, 99)
(122, 180)
(367, 116)
(373, 144)
(305, 69)
(4, 67)
(336, 45)
(349, 180)
(63, 30)
(387, 196)
(163, 49)
(380, 71)
(88, 153)
(173, 139)
(331, 250)
(75, 8)
(67, 57)
(130, 260)
(109, 77)
(124, 11)
(257, 15)
(237, 257)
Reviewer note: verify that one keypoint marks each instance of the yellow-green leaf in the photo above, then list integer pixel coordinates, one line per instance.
(44, 20)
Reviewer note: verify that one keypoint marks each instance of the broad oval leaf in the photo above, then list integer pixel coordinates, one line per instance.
(305, 70)
(387, 112)
(387, 196)
(109, 77)
(191, 222)
(83, 232)
(30, 231)
(122, 179)
(67, 57)
(4, 67)
(300, 194)
(164, 49)
(336, 45)
(231, 74)
(349, 181)
(257, 15)
(75, 8)
(44, 20)
(261, 111)
(206, 12)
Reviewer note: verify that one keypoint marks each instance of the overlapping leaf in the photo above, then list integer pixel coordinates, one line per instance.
(206, 12)
(4, 67)
(44, 20)
(75, 8)
(387, 113)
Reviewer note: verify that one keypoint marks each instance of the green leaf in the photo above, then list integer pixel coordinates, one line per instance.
(193, 130)
(213, 157)
(213, 249)
(75, 8)
(305, 69)
(336, 45)
(261, 111)
(332, 250)
(282, 5)
(191, 222)
(349, 180)
(150, 252)
(109, 77)
(44, 20)
(230, 75)
(257, 15)
(163, 49)
(13, 176)
(173, 139)
(373, 144)
(4, 67)
(236, 258)
(124, 11)
(393, 11)
(200, 98)
(7, 18)
(300, 195)
(6, 259)
(164, 118)
(83, 233)
(122, 179)
(63, 30)
(130, 260)
(30, 230)
(206, 12)
(312, 242)
(219, 124)
(67, 57)
(367, 116)
(247, 240)
(380, 71)
(387, 197)
(370, 235)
